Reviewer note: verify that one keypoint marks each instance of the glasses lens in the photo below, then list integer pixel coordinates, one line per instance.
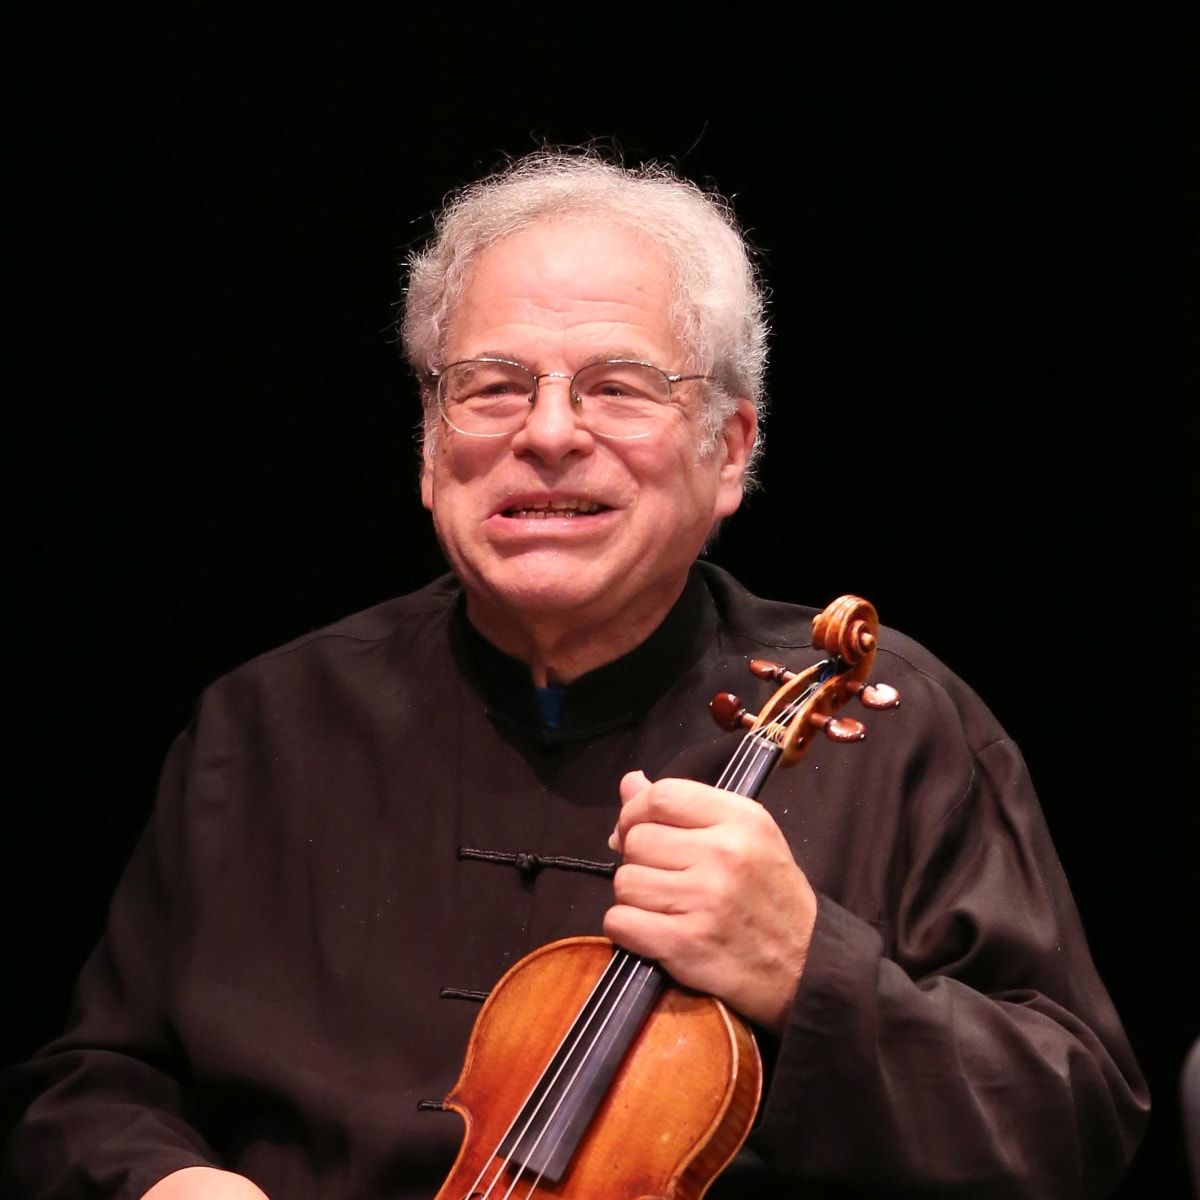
(622, 399)
(486, 397)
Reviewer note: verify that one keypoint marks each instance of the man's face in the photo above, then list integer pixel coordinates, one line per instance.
(552, 522)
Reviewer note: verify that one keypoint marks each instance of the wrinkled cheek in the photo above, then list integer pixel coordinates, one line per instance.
(448, 534)
(463, 459)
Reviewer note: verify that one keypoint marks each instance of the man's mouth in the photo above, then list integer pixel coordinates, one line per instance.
(568, 508)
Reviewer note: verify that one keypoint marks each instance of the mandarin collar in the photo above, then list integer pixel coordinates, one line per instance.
(612, 695)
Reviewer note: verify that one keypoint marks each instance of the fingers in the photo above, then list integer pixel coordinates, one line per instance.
(665, 847)
(653, 889)
(747, 947)
(709, 888)
(664, 937)
(679, 803)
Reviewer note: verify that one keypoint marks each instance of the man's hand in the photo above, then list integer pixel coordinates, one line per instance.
(204, 1183)
(709, 889)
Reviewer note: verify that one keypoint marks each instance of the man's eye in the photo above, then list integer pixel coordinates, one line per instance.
(498, 387)
(617, 387)
(487, 387)
(612, 387)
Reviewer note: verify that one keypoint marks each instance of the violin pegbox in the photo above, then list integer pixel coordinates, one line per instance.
(847, 631)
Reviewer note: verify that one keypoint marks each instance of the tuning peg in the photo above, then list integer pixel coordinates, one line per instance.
(840, 729)
(729, 712)
(875, 695)
(765, 669)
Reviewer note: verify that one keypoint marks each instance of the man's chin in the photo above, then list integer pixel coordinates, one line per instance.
(546, 599)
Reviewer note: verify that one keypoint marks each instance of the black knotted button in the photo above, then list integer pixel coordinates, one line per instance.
(527, 863)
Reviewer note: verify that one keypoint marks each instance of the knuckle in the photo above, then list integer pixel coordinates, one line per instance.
(638, 841)
(613, 927)
(718, 901)
(624, 882)
(655, 800)
(673, 944)
(763, 824)
(733, 852)
(666, 795)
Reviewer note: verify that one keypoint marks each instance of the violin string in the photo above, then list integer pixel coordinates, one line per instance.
(608, 978)
(623, 959)
(736, 771)
(605, 982)
(755, 745)
(645, 979)
(612, 974)
(587, 1054)
(754, 749)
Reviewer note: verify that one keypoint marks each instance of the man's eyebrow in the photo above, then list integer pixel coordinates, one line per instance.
(506, 355)
(617, 354)
(607, 354)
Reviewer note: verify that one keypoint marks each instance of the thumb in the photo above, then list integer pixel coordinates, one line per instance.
(633, 783)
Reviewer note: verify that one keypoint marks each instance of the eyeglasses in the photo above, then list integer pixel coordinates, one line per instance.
(493, 397)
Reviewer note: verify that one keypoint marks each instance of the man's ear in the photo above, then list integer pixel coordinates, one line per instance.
(429, 432)
(736, 448)
(426, 483)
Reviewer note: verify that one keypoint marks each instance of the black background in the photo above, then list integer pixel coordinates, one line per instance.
(973, 222)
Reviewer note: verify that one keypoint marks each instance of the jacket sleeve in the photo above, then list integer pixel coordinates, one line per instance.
(963, 1045)
(103, 1112)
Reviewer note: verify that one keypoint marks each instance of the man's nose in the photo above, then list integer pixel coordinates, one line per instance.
(554, 427)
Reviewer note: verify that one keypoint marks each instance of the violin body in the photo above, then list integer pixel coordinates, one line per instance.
(680, 1105)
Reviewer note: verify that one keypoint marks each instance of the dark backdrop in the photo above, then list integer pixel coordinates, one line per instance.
(973, 228)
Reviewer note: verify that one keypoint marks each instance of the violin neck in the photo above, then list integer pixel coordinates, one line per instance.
(748, 769)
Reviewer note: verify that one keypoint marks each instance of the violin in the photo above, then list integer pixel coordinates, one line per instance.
(589, 1073)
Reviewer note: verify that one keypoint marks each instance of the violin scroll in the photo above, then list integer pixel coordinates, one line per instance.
(847, 628)
(847, 631)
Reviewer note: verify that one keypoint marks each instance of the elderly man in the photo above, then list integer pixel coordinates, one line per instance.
(361, 831)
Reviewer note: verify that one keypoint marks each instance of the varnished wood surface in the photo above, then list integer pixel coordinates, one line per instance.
(680, 1106)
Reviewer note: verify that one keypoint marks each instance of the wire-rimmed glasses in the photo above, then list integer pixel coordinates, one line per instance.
(492, 397)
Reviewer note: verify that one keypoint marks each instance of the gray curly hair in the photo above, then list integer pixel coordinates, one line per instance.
(718, 300)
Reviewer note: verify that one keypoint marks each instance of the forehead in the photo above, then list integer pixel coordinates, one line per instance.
(576, 278)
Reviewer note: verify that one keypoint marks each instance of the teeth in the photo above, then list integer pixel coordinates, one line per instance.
(557, 508)
(583, 506)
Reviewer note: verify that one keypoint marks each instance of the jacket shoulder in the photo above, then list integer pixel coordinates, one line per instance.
(393, 627)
